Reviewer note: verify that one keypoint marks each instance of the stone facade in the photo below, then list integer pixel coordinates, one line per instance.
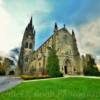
(34, 61)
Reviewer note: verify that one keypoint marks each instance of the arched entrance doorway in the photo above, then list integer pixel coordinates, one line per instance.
(65, 69)
(67, 66)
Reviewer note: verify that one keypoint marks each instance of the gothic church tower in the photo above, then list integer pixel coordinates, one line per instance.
(27, 47)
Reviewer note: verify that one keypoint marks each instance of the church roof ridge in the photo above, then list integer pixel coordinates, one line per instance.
(44, 43)
(64, 29)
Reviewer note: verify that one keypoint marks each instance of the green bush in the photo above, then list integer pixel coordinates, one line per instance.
(91, 71)
(90, 68)
(2, 72)
(27, 77)
(30, 77)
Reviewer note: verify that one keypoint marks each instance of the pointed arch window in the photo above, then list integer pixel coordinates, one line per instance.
(26, 45)
(30, 46)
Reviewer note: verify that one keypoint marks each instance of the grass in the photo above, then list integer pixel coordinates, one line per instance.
(55, 89)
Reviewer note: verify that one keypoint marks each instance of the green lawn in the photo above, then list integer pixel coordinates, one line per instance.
(55, 89)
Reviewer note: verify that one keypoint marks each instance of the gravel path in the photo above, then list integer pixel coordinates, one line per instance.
(7, 82)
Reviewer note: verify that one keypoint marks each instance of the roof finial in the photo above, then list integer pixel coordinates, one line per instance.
(56, 27)
(64, 26)
(73, 34)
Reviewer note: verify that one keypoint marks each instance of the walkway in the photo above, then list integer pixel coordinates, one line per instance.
(7, 82)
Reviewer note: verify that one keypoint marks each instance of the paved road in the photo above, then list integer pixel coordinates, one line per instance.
(7, 82)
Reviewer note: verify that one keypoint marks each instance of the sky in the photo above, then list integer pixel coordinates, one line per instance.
(81, 15)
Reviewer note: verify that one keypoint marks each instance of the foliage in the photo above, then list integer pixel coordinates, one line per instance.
(2, 72)
(91, 68)
(26, 77)
(92, 71)
(5, 65)
(31, 77)
(2, 69)
(53, 63)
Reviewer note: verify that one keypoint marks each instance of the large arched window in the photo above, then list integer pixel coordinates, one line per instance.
(26, 45)
(30, 46)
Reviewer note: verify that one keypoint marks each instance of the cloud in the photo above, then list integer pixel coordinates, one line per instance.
(5, 19)
(89, 37)
(41, 13)
(14, 54)
(75, 13)
(39, 9)
(1, 2)
(41, 4)
(7, 31)
(13, 20)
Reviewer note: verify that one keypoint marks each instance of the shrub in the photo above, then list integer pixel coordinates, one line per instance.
(91, 71)
(90, 67)
(27, 77)
(30, 77)
(2, 72)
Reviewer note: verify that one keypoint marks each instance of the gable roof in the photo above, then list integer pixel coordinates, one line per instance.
(62, 29)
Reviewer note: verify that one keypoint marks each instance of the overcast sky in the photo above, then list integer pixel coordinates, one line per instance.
(81, 15)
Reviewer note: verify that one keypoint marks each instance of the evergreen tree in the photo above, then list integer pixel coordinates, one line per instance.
(53, 63)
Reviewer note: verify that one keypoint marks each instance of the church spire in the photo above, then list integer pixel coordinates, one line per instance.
(30, 27)
(30, 24)
(31, 21)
